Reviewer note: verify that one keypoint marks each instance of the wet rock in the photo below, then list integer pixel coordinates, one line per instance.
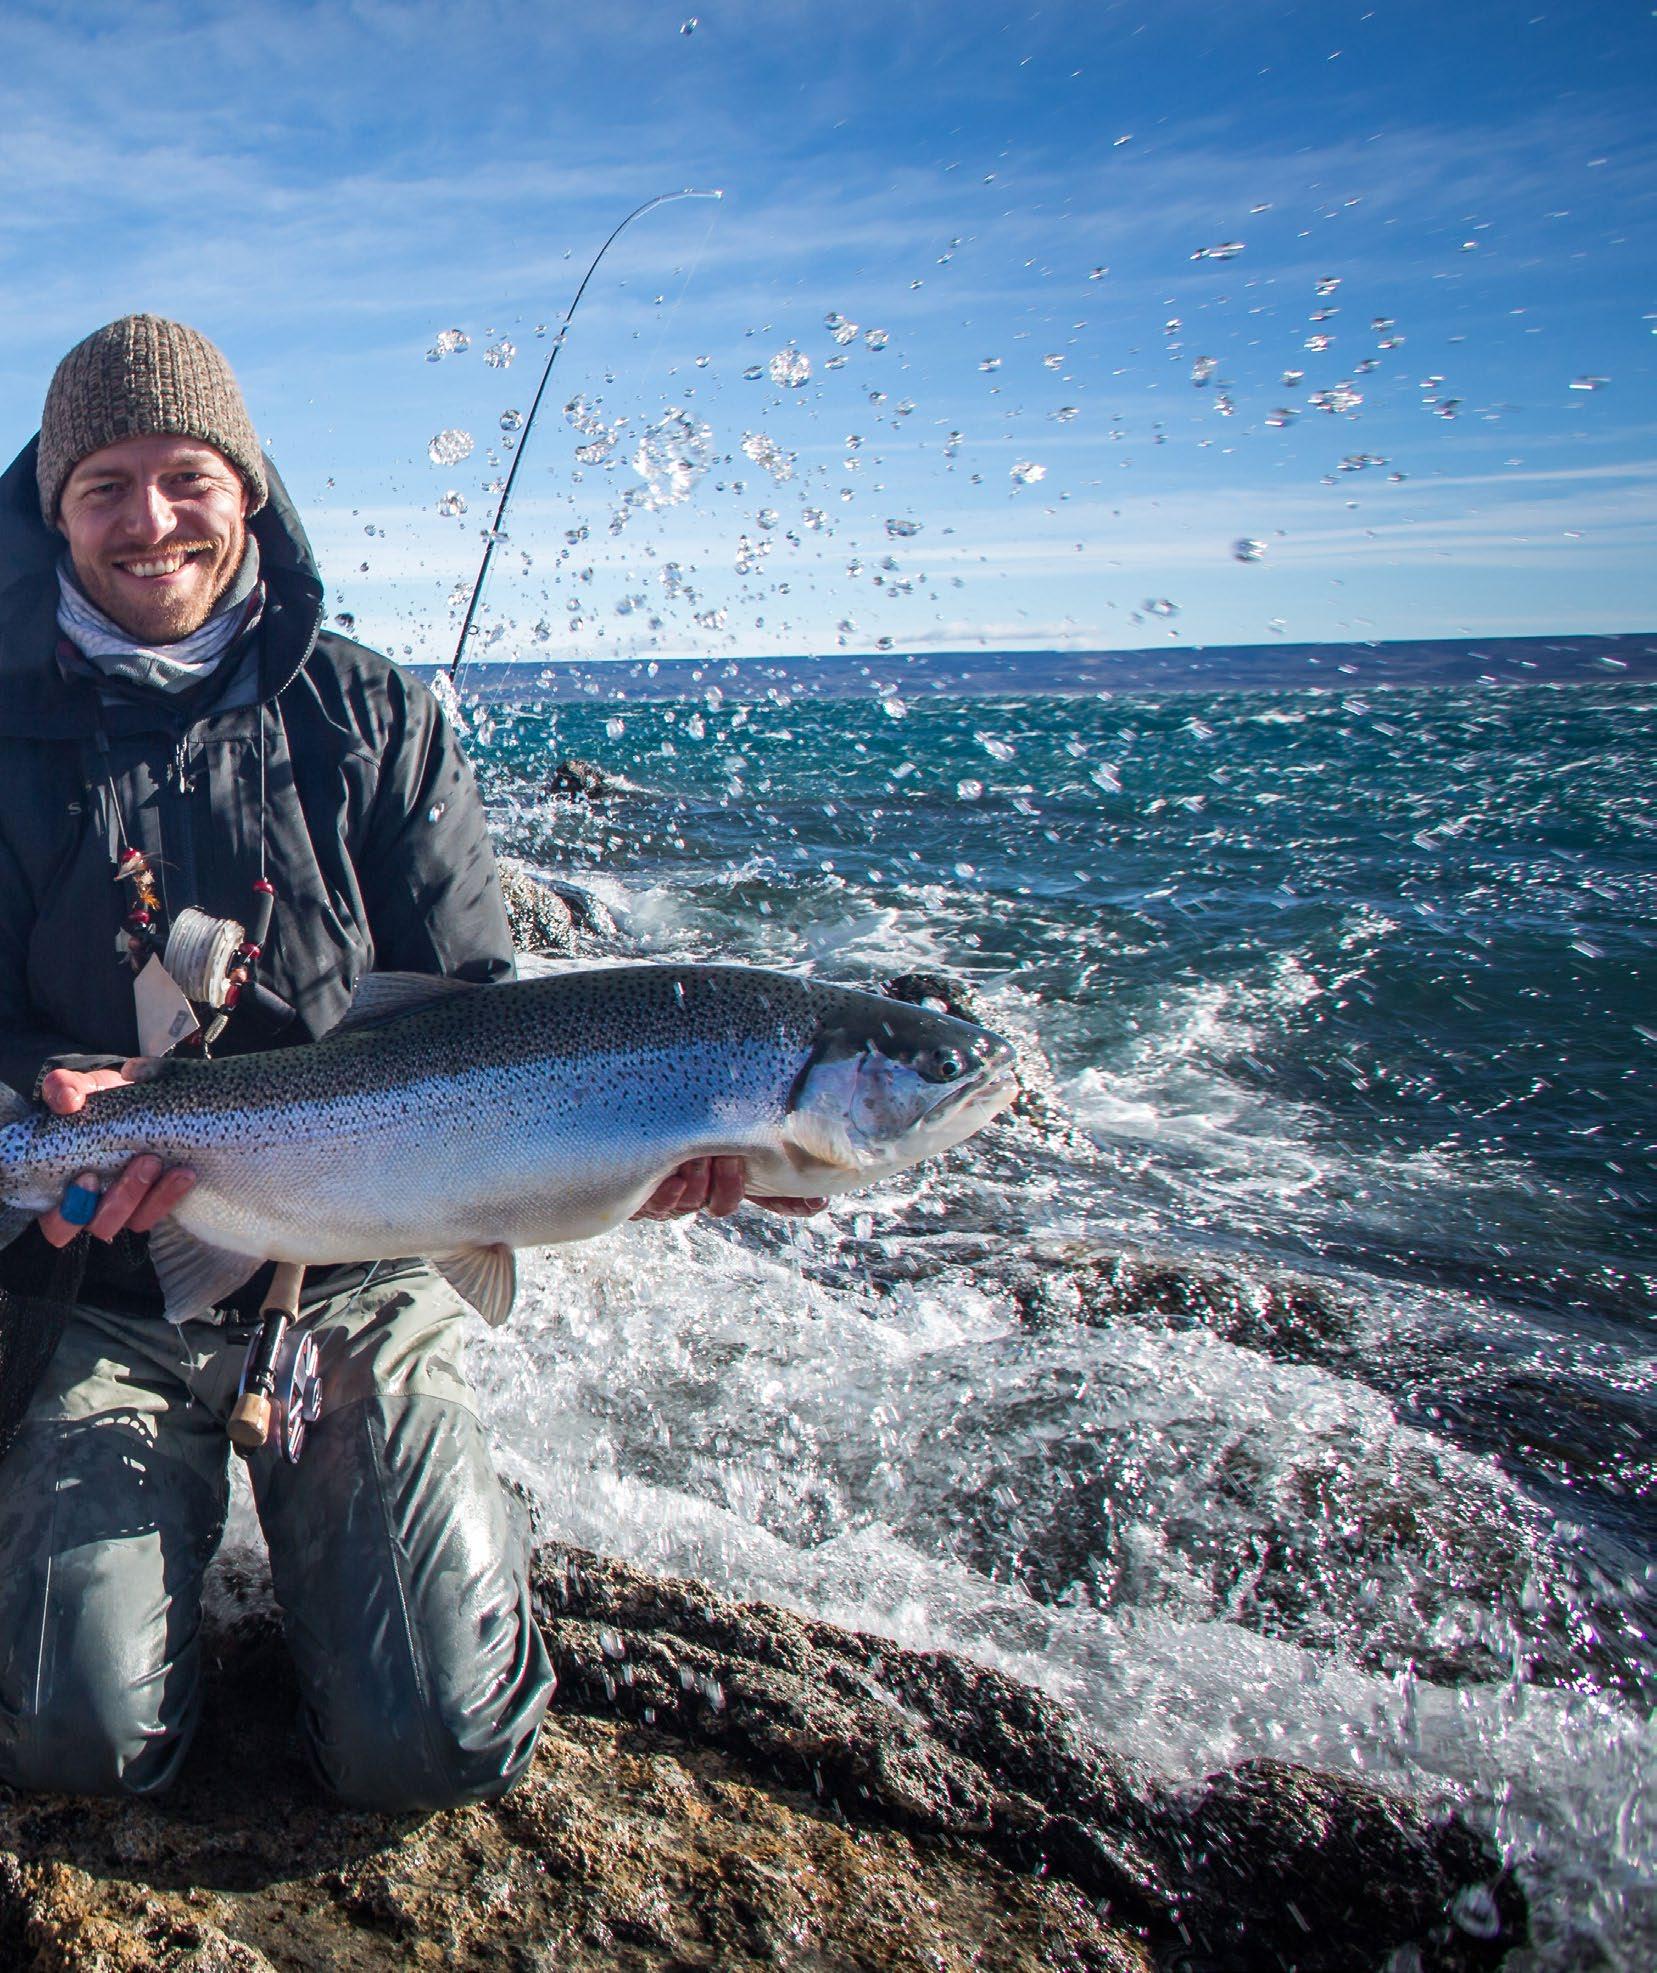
(729, 1786)
(541, 920)
(550, 916)
(940, 990)
(582, 780)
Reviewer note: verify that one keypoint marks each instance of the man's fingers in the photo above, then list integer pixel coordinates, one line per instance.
(168, 1191)
(663, 1203)
(124, 1196)
(727, 1180)
(792, 1208)
(64, 1091)
(58, 1230)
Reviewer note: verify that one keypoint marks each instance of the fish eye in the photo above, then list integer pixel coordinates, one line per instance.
(942, 1065)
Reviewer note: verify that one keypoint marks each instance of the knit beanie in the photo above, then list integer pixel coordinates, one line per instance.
(137, 378)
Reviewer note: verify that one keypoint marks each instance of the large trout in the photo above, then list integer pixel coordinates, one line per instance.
(461, 1122)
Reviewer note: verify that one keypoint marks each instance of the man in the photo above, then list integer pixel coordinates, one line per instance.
(177, 730)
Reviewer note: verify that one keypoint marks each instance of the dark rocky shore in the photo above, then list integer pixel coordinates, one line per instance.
(726, 1785)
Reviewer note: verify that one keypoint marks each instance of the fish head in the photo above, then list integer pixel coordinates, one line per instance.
(887, 1084)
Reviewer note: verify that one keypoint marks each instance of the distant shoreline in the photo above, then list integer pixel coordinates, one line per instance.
(1629, 657)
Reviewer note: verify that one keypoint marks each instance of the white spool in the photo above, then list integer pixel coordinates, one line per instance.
(199, 952)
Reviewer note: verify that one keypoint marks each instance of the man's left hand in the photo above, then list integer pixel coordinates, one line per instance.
(717, 1186)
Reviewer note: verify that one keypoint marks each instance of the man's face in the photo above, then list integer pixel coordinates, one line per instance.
(156, 530)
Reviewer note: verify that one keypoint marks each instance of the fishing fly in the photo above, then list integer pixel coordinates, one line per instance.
(494, 532)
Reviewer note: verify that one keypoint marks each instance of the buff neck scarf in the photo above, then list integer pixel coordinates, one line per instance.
(167, 668)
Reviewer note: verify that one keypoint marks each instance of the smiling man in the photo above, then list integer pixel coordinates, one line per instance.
(178, 731)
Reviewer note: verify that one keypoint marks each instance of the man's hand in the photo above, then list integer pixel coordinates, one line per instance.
(143, 1194)
(715, 1185)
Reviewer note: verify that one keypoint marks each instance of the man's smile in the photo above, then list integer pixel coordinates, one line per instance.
(160, 563)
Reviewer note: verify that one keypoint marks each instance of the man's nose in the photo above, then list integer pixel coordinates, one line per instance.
(149, 514)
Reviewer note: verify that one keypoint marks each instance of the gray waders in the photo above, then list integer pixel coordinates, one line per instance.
(396, 1558)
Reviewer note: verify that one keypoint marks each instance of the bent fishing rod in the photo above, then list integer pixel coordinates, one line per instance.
(494, 533)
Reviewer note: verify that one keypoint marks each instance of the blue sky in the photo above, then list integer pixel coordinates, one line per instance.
(325, 188)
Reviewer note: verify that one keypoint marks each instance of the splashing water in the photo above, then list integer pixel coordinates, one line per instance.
(767, 454)
(448, 448)
(1026, 472)
(790, 367)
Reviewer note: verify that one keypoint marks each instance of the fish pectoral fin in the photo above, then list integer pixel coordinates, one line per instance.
(195, 1277)
(809, 1138)
(484, 1277)
(383, 996)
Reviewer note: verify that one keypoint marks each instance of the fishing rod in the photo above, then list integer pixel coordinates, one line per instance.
(494, 533)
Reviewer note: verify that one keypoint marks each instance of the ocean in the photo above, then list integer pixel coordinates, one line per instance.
(1280, 1380)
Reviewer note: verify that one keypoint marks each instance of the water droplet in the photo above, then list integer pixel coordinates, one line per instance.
(765, 452)
(753, 374)
(893, 707)
(1339, 398)
(346, 621)
(512, 421)
(1317, 342)
(690, 26)
(1026, 473)
(876, 338)
(1226, 250)
(1054, 362)
(449, 448)
(702, 362)
(1589, 383)
(1159, 606)
(450, 342)
(1097, 273)
(996, 748)
(903, 530)
(1107, 778)
(499, 355)
(1245, 549)
(990, 363)
(846, 333)
(1065, 414)
(452, 504)
(1327, 285)
(790, 367)
(1204, 368)
(969, 790)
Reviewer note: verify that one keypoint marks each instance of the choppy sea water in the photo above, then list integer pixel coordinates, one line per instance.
(1354, 989)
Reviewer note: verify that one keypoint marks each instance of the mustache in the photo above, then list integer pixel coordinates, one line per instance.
(149, 552)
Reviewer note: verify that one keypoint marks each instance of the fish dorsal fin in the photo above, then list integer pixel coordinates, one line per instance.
(484, 1277)
(383, 996)
(194, 1276)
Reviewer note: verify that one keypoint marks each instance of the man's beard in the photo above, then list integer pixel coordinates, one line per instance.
(164, 615)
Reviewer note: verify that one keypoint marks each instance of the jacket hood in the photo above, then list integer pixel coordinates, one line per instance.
(34, 700)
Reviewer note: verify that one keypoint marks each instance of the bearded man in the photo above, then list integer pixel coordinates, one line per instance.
(178, 731)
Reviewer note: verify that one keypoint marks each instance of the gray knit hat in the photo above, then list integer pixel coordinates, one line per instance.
(137, 378)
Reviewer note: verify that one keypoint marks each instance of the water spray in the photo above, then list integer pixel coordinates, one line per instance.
(494, 533)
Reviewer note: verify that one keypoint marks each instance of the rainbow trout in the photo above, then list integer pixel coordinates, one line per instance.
(462, 1122)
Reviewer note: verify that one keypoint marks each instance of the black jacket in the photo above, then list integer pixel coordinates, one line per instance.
(373, 833)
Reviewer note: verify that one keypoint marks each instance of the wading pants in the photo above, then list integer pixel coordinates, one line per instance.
(396, 1559)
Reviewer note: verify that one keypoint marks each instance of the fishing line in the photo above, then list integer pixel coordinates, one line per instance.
(494, 533)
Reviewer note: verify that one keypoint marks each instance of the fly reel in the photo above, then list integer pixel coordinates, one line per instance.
(280, 1394)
